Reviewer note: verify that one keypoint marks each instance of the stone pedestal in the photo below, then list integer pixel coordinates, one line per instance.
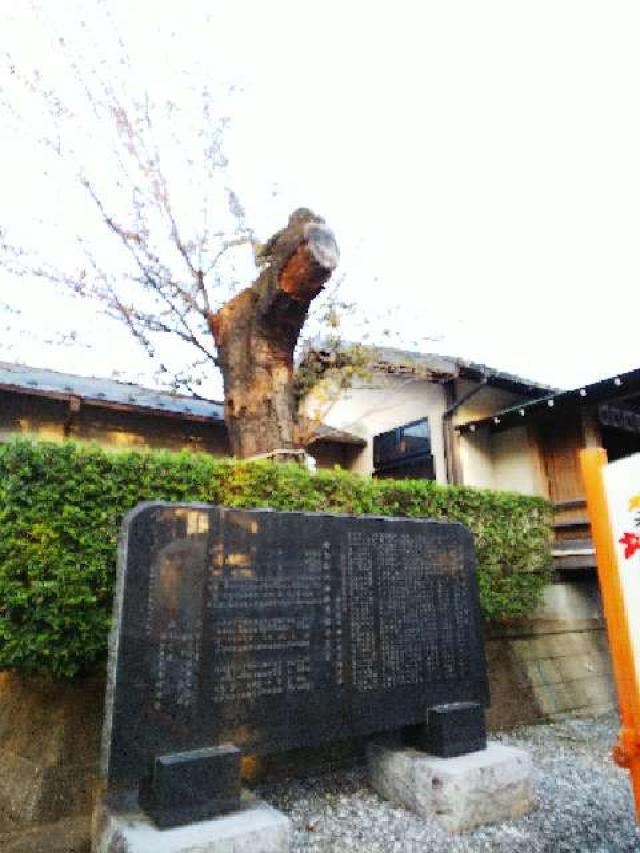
(120, 827)
(489, 786)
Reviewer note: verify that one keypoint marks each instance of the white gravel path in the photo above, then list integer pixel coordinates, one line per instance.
(584, 803)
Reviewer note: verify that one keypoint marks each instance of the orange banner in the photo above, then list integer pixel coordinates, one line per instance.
(613, 502)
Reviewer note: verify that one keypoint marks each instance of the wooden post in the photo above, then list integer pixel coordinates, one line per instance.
(626, 665)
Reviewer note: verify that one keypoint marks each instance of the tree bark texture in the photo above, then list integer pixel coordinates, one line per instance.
(256, 333)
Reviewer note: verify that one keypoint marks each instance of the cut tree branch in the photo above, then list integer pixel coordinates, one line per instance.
(256, 333)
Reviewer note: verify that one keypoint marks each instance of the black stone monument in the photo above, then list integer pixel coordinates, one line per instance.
(257, 631)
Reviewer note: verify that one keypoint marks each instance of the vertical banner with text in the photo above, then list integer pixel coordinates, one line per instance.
(613, 500)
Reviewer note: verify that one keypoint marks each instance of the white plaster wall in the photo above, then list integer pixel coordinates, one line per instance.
(371, 407)
(485, 463)
(516, 467)
(476, 460)
(506, 461)
(487, 401)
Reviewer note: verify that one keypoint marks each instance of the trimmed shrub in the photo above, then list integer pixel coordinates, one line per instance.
(61, 506)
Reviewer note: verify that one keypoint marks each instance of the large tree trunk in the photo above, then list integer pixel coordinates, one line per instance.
(256, 333)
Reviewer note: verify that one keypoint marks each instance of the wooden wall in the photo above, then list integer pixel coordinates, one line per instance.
(46, 419)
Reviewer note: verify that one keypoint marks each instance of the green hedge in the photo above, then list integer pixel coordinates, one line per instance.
(61, 506)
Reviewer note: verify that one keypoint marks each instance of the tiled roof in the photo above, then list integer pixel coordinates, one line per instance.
(401, 360)
(324, 432)
(111, 393)
(51, 383)
(438, 368)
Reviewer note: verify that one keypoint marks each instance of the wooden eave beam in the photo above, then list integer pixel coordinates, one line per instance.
(129, 408)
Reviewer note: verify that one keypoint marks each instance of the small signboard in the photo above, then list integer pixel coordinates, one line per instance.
(613, 501)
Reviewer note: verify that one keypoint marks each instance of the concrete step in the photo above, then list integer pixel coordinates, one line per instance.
(583, 544)
(567, 523)
(571, 562)
(573, 503)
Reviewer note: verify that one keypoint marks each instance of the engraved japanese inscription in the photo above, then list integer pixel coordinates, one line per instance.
(272, 630)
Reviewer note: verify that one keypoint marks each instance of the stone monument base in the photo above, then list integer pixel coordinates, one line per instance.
(255, 828)
(489, 786)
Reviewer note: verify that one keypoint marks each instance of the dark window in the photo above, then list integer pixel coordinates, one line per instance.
(404, 452)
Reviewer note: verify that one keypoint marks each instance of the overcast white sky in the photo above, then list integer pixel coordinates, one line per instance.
(478, 161)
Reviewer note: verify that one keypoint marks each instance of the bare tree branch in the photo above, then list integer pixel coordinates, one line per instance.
(156, 231)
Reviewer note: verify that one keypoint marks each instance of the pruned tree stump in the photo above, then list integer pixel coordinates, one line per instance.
(257, 331)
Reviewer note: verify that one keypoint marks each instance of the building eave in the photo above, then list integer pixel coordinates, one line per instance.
(616, 387)
(129, 408)
(72, 390)
(433, 367)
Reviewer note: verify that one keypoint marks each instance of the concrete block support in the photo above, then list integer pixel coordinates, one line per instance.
(119, 827)
(489, 786)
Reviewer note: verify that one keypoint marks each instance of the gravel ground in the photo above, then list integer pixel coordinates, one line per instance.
(584, 803)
